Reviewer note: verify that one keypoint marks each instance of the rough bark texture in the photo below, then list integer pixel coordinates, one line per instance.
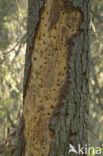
(56, 77)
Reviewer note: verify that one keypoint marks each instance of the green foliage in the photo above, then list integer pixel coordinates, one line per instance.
(7, 8)
(13, 17)
(96, 75)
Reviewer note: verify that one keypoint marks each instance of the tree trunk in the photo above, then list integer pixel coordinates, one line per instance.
(56, 77)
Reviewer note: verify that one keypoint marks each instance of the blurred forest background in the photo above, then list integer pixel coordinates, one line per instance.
(13, 23)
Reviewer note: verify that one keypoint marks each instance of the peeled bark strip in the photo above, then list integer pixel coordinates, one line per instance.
(56, 77)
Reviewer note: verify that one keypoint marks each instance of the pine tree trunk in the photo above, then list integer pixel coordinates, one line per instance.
(56, 77)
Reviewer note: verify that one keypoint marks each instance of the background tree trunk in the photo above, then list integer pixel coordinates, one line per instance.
(56, 77)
